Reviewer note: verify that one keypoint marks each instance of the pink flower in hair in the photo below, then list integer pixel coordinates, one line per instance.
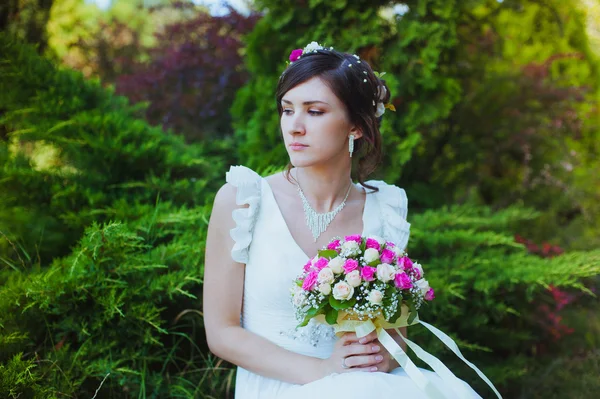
(295, 54)
(350, 265)
(367, 273)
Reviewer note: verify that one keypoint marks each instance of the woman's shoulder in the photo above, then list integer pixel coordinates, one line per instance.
(387, 193)
(393, 211)
(239, 199)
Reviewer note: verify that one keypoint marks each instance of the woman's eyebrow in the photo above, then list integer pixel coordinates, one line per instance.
(305, 102)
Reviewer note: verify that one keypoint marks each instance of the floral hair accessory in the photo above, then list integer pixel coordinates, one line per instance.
(310, 48)
(381, 92)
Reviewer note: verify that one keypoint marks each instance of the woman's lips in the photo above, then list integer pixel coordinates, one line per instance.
(298, 146)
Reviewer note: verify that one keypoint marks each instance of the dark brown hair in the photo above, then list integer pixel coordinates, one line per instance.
(345, 75)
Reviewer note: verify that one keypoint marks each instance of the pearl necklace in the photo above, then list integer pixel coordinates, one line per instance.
(318, 222)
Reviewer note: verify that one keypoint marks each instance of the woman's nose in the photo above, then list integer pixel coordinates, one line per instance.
(296, 126)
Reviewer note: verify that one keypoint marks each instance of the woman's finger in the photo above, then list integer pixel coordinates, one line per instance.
(359, 349)
(363, 360)
(372, 336)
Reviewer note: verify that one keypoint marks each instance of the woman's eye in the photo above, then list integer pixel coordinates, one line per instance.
(287, 111)
(316, 112)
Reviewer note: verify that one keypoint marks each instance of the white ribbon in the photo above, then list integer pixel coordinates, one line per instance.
(457, 387)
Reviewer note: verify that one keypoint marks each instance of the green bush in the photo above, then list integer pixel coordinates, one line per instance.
(102, 224)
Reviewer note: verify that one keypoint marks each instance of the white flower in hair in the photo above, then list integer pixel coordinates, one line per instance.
(380, 109)
(381, 92)
(312, 46)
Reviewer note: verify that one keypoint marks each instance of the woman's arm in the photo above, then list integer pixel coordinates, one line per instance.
(222, 301)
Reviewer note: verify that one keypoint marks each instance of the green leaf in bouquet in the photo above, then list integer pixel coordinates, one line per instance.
(331, 316)
(340, 305)
(327, 253)
(413, 312)
(312, 312)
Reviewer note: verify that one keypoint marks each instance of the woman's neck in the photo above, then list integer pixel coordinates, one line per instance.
(324, 189)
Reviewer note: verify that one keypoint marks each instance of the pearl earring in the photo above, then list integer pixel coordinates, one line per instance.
(351, 144)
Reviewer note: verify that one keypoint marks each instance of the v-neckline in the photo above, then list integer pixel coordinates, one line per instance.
(287, 229)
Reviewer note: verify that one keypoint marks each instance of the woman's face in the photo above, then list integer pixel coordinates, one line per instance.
(315, 124)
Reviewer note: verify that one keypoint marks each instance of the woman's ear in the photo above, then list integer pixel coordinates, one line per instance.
(356, 132)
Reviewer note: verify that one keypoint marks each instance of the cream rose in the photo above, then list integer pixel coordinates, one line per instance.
(353, 278)
(419, 268)
(343, 291)
(336, 264)
(325, 276)
(385, 272)
(375, 297)
(423, 285)
(324, 288)
(371, 254)
(397, 251)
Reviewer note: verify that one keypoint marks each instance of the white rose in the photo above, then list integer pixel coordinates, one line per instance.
(299, 299)
(398, 252)
(342, 291)
(353, 278)
(423, 285)
(380, 240)
(325, 276)
(371, 254)
(375, 297)
(419, 268)
(380, 109)
(350, 248)
(385, 272)
(324, 289)
(336, 264)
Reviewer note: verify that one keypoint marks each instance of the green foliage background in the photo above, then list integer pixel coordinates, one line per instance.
(103, 217)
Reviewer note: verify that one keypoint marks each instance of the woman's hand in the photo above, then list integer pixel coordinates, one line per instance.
(352, 354)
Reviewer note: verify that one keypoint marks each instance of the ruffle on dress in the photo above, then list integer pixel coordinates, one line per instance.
(393, 205)
(248, 184)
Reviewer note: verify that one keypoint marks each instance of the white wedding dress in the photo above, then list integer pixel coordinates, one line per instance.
(273, 260)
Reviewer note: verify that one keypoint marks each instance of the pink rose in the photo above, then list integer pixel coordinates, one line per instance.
(350, 265)
(402, 281)
(387, 256)
(335, 244)
(429, 296)
(405, 263)
(310, 281)
(390, 244)
(321, 263)
(367, 273)
(295, 54)
(371, 243)
(307, 266)
(357, 238)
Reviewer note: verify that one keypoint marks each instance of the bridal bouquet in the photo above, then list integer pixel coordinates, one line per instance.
(364, 284)
(360, 278)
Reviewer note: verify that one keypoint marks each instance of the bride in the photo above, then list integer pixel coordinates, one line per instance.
(263, 230)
